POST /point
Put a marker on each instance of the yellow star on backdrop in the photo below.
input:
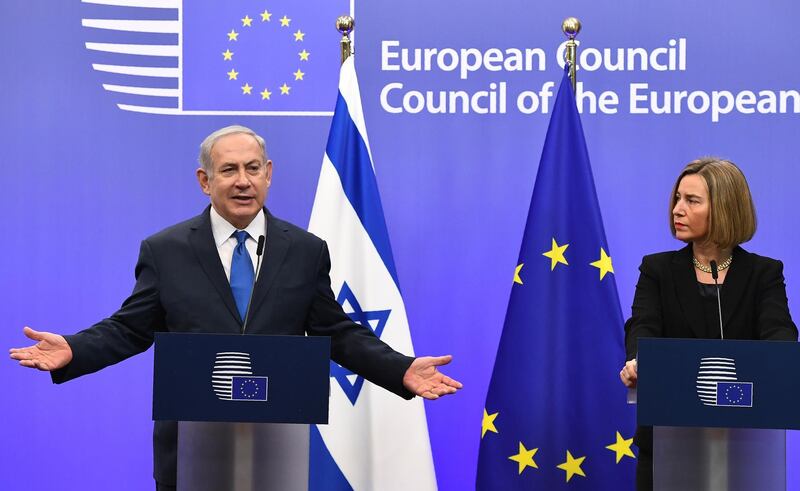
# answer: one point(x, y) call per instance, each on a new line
point(572, 466)
point(299, 35)
point(298, 75)
point(247, 88)
point(265, 94)
point(233, 35)
point(525, 458)
point(622, 447)
point(304, 55)
point(266, 16)
point(517, 279)
point(227, 55)
point(603, 264)
point(285, 89)
point(556, 254)
point(247, 21)
point(232, 74)
point(488, 423)
point(285, 21)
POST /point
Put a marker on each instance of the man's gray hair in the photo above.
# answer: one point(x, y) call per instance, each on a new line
point(208, 144)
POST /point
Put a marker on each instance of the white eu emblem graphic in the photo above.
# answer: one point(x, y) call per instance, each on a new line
point(233, 379)
point(718, 384)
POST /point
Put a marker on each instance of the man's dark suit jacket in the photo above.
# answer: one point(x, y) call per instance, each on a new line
point(181, 287)
point(667, 304)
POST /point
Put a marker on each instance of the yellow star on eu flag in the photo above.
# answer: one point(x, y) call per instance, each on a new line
point(556, 254)
point(285, 21)
point(227, 55)
point(247, 89)
point(304, 55)
point(299, 35)
point(265, 94)
point(298, 75)
point(247, 21)
point(622, 447)
point(572, 466)
point(266, 16)
point(285, 89)
point(232, 74)
point(525, 458)
point(603, 264)
point(233, 35)
point(517, 279)
point(488, 423)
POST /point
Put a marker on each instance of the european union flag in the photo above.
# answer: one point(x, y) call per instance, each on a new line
point(735, 394)
point(556, 413)
point(249, 388)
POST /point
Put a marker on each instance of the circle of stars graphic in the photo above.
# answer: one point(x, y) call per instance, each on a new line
point(248, 23)
point(248, 388)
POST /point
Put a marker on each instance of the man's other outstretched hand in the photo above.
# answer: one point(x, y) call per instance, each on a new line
point(51, 351)
point(423, 379)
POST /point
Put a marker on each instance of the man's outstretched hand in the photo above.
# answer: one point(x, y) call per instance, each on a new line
point(423, 379)
point(51, 351)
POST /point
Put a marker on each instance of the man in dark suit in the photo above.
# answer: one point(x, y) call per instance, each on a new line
point(190, 278)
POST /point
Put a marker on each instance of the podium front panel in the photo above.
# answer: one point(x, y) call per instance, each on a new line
point(241, 378)
point(716, 383)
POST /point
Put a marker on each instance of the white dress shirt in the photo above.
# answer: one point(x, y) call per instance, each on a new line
point(226, 243)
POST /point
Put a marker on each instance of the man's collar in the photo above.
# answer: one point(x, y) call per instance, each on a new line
point(222, 229)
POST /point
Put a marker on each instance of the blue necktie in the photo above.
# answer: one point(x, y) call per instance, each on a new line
point(241, 273)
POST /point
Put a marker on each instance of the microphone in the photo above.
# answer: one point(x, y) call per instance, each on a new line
point(259, 252)
point(715, 275)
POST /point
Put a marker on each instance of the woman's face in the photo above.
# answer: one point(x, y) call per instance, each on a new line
point(692, 206)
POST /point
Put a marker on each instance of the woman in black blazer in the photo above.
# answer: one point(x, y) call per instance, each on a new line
point(712, 211)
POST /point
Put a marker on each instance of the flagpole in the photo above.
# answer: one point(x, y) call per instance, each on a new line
point(345, 24)
point(571, 27)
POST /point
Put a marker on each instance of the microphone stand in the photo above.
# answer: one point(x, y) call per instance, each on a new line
point(715, 276)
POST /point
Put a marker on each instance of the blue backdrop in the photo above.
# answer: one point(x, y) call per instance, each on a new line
point(85, 180)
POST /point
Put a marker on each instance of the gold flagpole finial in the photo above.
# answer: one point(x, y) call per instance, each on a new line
point(571, 27)
point(345, 24)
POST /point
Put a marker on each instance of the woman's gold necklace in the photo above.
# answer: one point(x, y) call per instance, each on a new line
point(707, 269)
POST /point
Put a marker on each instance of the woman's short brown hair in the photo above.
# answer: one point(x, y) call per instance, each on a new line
point(732, 215)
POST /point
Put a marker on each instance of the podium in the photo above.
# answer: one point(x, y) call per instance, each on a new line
point(719, 411)
point(243, 405)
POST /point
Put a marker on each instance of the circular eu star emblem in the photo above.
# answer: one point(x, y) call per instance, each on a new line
point(249, 388)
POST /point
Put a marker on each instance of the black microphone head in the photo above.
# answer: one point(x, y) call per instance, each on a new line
point(260, 247)
point(714, 270)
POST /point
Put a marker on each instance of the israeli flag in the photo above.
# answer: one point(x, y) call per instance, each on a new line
point(374, 439)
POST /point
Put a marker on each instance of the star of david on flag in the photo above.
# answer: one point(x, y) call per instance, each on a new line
point(351, 383)
point(245, 57)
point(374, 439)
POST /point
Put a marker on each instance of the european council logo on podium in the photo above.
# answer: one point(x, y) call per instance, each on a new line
point(718, 384)
point(237, 57)
point(232, 378)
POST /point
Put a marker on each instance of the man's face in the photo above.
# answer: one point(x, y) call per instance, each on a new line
point(240, 178)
